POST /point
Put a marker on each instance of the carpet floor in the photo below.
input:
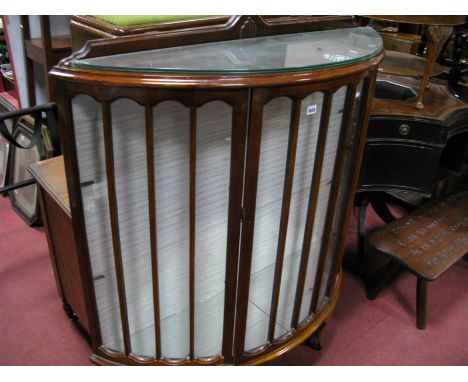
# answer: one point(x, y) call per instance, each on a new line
point(34, 329)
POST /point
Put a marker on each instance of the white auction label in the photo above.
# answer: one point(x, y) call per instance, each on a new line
point(311, 109)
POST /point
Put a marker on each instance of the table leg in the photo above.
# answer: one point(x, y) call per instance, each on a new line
point(436, 37)
point(363, 202)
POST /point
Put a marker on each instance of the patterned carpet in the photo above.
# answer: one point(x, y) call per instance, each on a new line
point(34, 329)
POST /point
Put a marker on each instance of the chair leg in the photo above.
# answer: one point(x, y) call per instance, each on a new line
point(421, 302)
point(360, 266)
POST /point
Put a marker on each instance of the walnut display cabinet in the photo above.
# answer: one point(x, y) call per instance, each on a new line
point(210, 186)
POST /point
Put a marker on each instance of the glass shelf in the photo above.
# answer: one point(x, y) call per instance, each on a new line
point(283, 53)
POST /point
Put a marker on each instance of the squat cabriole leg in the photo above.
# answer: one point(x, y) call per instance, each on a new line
point(314, 340)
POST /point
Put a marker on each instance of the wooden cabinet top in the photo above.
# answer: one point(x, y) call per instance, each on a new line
point(439, 102)
point(217, 58)
point(50, 175)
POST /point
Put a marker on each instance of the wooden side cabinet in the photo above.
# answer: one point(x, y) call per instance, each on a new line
point(55, 212)
point(210, 186)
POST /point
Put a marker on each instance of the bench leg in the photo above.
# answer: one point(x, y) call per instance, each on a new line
point(421, 301)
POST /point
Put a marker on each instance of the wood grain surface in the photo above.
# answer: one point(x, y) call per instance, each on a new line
point(430, 239)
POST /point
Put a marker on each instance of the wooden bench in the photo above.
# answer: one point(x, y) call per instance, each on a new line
point(426, 242)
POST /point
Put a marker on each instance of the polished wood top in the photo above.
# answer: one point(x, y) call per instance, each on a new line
point(422, 19)
point(59, 43)
point(50, 175)
point(430, 239)
point(406, 64)
point(438, 101)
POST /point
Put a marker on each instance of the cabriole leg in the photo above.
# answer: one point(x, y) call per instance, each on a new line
point(314, 341)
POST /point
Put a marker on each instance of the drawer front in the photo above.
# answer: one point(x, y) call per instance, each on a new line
point(399, 166)
point(405, 129)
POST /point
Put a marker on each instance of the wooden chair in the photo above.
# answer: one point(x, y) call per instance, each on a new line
point(426, 242)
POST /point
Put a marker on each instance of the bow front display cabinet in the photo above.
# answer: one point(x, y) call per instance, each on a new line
point(210, 185)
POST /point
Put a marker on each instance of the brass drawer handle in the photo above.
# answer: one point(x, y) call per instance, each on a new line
point(404, 129)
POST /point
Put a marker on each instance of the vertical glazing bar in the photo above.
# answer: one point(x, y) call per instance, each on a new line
point(286, 204)
point(114, 217)
point(250, 198)
point(313, 196)
point(193, 156)
point(329, 233)
point(355, 166)
point(152, 221)
point(235, 216)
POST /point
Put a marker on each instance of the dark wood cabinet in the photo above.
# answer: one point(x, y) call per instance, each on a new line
point(210, 187)
point(410, 149)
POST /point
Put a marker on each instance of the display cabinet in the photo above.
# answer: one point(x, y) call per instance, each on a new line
point(210, 186)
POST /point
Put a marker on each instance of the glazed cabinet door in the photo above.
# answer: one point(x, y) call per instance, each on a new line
point(299, 168)
point(161, 182)
point(210, 223)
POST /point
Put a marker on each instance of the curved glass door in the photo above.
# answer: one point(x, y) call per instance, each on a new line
point(159, 293)
point(298, 155)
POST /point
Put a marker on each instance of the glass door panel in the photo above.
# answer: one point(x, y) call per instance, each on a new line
point(129, 142)
point(326, 179)
point(213, 160)
point(309, 123)
point(89, 137)
point(273, 153)
point(172, 177)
